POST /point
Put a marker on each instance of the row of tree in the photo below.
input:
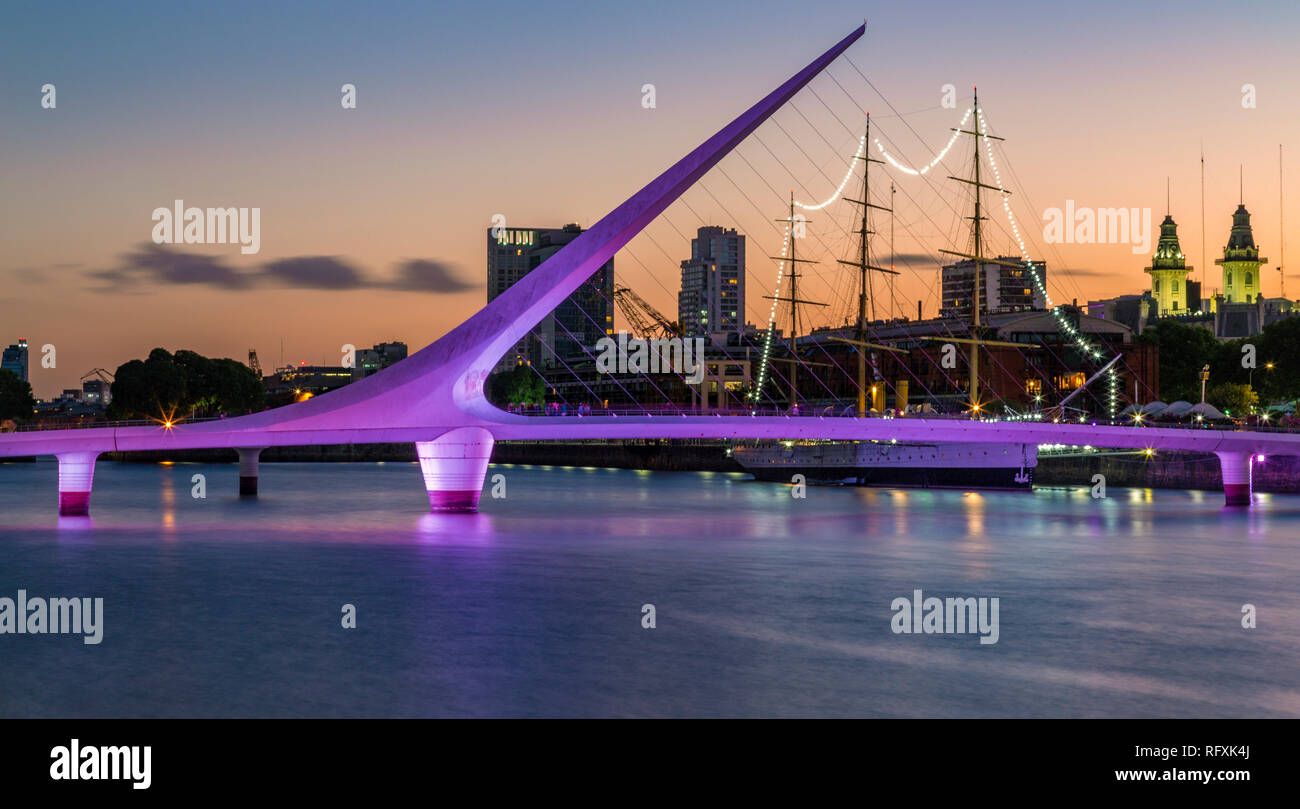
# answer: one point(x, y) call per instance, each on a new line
point(1264, 368)
point(164, 386)
point(184, 385)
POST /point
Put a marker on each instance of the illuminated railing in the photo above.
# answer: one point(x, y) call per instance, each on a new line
point(92, 425)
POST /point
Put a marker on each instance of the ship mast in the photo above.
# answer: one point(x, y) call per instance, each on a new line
point(864, 268)
point(795, 225)
point(978, 258)
point(979, 274)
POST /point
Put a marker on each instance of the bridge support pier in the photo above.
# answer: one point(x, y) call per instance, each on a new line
point(248, 457)
point(76, 476)
point(1236, 467)
point(454, 466)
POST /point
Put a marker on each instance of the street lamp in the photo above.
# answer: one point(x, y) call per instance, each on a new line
point(1205, 377)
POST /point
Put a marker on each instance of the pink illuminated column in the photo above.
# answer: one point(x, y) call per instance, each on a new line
point(1236, 477)
point(76, 474)
point(248, 470)
point(454, 466)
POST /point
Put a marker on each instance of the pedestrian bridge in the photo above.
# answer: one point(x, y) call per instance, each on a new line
point(435, 398)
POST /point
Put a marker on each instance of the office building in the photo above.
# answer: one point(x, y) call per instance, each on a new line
point(712, 296)
point(570, 333)
point(96, 392)
point(15, 359)
point(1003, 288)
point(377, 358)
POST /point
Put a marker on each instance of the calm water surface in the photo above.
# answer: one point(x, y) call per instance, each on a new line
point(766, 605)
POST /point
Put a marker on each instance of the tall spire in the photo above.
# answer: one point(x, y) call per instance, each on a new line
point(1169, 254)
point(1242, 235)
point(1169, 270)
point(1241, 260)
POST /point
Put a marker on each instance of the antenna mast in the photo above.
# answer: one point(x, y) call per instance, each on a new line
point(1203, 289)
point(1281, 220)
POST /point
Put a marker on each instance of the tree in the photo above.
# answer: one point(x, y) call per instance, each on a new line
point(519, 385)
point(16, 400)
point(187, 384)
point(1279, 345)
point(219, 386)
point(1232, 398)
point(1183, 352)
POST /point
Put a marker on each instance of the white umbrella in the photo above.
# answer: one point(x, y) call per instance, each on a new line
point(1154, 408)
point(1207, 411)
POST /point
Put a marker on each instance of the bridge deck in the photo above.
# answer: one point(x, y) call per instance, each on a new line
point(216, 434)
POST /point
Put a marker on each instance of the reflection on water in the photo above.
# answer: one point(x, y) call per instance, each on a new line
point(168, 489)
point(454, 529)
point(766, 604)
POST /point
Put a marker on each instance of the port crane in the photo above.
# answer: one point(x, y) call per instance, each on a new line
point(646, 321)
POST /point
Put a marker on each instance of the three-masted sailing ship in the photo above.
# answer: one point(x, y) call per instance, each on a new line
point(1001, 465)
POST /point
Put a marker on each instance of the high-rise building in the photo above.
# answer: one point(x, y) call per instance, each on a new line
point(1168, 271)
point(1005, 289)
point(1241, 261)
point(15, 359)
point(712, 297)
point(570, 333)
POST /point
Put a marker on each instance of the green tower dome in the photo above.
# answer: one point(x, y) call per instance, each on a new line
point(1241, 261)
point(1168, 255)
point(1168, 272)
point(1241, 238)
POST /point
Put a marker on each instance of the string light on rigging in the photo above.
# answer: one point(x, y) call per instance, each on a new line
point(862, 150)
point(771, 318)
point(932, 163)
point(1080, 340)
point(1083, 344)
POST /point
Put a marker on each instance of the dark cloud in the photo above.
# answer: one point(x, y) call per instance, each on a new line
point(921, 260)
point(423, 275)
point(31, 276)
point(314, 272)
point(1083, 272)
point(153, 264)
point(156, 264)
point(907, 259)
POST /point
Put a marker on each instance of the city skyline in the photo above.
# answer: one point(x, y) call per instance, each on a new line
point(390, 198)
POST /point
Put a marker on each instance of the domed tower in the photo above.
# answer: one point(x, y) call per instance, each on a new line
point(1169, 271)
point(1241, 261)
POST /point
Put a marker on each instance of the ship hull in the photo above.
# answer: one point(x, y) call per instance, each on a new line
point(955, 466)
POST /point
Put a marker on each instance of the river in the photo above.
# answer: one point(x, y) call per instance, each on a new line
point(764, 604)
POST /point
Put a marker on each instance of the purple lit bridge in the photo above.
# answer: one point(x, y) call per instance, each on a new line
point(435, 397)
